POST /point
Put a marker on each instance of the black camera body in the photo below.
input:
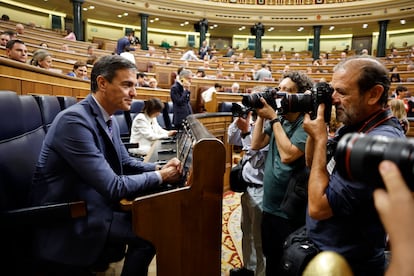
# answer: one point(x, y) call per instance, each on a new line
point(284, 102)
point(358, 155)
point(239, 110)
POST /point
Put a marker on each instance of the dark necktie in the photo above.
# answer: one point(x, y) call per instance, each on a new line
point(109, 124)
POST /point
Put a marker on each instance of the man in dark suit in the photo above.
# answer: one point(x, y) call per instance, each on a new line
point(180, 96)
point(83, 158)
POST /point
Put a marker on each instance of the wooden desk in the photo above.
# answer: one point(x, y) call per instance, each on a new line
point(184, 224)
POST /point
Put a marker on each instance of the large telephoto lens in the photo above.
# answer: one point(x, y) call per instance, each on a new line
point(252, 100)
point(358, 156)
point(299, 103)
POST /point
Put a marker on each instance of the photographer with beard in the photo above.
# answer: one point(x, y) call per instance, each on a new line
point(341, 214)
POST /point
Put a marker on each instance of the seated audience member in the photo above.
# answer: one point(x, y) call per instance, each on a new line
point(395, 76)
point(400, 92)
point(151, 52)
point(128, 55)
point(262, 73)
point(70, 35)
point(145, 128)
point(394, 53)
point(83, 158)
point(19, 29)
point(341, 215)
point(395, 205)
point(246, 75)
point(16, 50)
point(398, 109)
point(200, 73)
point(235, 87)
point(142, 80)
point(90, 51)
point(5, 17)
point(208, 94)
point(42, 59)
point(230, 51)
point(80, 70)
point(165, 44)
point(4, 38)
point(44, 45)
point(12, 34)
point(153, 83)
point(91, 59)
point(65, 47)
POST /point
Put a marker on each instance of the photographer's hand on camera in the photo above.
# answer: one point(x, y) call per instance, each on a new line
point(317, 131)
point(244, 123)
point(266, 112)
point(316, 128)
point(315, 156)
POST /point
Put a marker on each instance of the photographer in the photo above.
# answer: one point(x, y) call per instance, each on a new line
point(286, 139)
point(240, 133)
point(341, 214)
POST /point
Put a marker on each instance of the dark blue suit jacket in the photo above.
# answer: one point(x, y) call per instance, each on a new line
point(79, 161)
point(181, 103)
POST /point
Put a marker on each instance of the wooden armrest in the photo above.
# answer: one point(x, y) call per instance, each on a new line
point(44, 214)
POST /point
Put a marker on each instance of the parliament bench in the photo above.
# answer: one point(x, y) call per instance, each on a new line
point(21, 137)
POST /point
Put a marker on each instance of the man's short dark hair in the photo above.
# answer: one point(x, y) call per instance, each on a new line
point(10, 43)
point(107, 66)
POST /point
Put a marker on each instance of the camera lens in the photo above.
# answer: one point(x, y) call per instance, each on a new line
point(358, 156)
point(300, 103)
point(252, 100)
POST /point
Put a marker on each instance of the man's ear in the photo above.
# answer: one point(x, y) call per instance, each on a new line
point(102, 82)
point(374, 94)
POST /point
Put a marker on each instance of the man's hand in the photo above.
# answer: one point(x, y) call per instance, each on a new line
point(172, 171)
point(244, 124)
point(316, 128)
point(266, 112)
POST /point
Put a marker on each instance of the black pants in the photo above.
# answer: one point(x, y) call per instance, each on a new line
point(139, 253)
point(274, 232)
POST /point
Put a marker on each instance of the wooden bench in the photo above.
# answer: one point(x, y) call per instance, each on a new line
point(27, 79)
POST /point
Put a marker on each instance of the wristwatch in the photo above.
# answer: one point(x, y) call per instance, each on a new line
point(275, 120)
point(244, 135)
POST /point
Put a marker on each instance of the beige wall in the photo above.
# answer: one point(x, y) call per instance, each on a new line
point(24, 16)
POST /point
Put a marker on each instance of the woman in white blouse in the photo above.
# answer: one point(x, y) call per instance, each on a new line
point(145, 128)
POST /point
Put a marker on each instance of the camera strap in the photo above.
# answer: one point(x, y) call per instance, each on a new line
point(382, 116)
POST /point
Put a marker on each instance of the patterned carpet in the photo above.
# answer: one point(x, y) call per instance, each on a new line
point(231, 238)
